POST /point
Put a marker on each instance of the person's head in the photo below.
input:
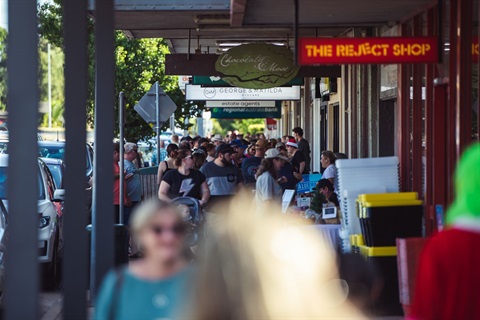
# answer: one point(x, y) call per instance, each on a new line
point(184, 159)
point(273, 162)
point(199, 156)
point(175, 138)
point(217, 139)
point(291, 146)
point(249, 275)
point(185, 145)
point(273, 143)
point(325, 187)
point(131, 151)
point(210, 147)
point(116, 152)
point(172, 150)
point(282, 148)
point(261, 136)
point(297, 132)
point(224, 155)
point(339, 155)
point(261, 147)
point(159, 230)
point(285, 139)
point(466, 206)
point(327, 158)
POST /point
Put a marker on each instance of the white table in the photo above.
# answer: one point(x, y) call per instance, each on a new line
point(329, 233)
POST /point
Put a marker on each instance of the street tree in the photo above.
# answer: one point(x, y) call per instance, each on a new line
point(138, 64)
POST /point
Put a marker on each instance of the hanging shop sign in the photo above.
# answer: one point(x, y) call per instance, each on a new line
point(238, 104)
point(215, 81)
point(246, 113)
point(379, 50)
point(257, 66)
point(271, 124)
point(194, 92)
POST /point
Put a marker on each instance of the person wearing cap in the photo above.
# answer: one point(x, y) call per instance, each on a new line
point(448, 276)
point(223, 179)
point(268, 189)
point(325, 187)
point(303, 146)
point(250, 165)
point(217, 140)
point(297, 159)
point(287, 169)
point(237, 156)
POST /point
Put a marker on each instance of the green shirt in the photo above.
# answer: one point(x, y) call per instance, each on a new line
point(138, 299)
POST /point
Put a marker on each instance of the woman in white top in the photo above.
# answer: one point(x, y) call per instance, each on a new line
point(268, 189)
point(328, 162)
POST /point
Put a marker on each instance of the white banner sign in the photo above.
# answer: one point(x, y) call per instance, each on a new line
point(196, 92)
point(237, 104)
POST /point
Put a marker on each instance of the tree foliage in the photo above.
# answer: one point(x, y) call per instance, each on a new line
point(139, 64)
point(3, 69)
point(222, 126)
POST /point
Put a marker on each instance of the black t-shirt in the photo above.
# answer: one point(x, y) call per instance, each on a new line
point(184, 186)
point(304, 148)
point(298, 158)
point(249, 169)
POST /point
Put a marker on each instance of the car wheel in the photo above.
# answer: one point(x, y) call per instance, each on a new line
point(52, 271)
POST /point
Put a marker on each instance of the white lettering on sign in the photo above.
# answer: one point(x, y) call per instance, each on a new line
point(248, 104)
point(259, 62)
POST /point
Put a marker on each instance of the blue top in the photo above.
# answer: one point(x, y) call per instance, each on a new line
point(134, 185)
point(144, 299)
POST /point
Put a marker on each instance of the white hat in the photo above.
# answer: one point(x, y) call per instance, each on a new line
point(292, 144)
point(217, 137)
point(274, 153)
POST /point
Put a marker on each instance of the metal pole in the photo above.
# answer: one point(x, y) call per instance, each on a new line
point(75, 271)
point(102, 254)
point(121, 122)
point(157, 117)
point(295, 28)
point(21, 282)
point(49, 87)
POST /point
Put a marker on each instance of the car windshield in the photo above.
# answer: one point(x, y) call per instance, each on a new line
point(58, 152)
point(3, 185)
point(56, 171)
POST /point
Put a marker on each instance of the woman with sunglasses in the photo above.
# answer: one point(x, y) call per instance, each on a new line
point(184, 181)
point(157, 286)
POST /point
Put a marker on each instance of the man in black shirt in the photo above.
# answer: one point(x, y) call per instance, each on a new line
point(303, 146)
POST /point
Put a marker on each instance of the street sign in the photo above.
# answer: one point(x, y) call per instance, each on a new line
point(215, 81)
point(246, 113)
point(194, 92)
point(375, 50)
point(146, 107)
point(236, 104)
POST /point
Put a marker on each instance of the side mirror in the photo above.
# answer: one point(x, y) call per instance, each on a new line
point(59, 195)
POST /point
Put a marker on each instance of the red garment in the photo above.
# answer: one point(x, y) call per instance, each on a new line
point(448, 281)
point(116, 185)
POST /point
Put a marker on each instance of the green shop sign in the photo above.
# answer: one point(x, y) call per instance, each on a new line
point(219, 82)
point(246, 112)
point(257, 66)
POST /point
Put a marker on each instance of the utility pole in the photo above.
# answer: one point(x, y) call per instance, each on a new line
point(49, 88)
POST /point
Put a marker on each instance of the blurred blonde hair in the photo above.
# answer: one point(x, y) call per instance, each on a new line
point(267, 267)
point(146, 211)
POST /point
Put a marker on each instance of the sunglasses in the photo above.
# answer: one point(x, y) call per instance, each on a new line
point(178, 230)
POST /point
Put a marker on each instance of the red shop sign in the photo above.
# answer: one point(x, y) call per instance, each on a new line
point(378, 50)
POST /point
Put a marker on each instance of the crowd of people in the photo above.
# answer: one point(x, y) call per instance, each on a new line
point(257, 266)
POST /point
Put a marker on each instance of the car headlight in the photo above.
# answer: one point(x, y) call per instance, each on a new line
point(43, 222)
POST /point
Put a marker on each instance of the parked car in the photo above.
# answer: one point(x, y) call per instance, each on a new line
point(57, 169)
point(56, 150)
point(50, 221)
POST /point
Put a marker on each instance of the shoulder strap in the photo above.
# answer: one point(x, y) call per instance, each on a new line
point(119, 275)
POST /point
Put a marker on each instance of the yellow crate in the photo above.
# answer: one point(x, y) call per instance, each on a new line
point(378, 251)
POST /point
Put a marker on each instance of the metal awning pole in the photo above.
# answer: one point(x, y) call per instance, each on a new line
point(121, 123)
point(157, 119)
point(21, 282)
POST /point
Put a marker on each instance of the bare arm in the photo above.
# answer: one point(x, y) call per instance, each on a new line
point(301, 167)
point(163, 191)
point(332, 180)
point(205, 193)
point(161, 171)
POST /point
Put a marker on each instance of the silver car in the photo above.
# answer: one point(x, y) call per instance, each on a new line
point(50, 237)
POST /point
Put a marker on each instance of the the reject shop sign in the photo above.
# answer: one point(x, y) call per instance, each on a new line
point(380, 50)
